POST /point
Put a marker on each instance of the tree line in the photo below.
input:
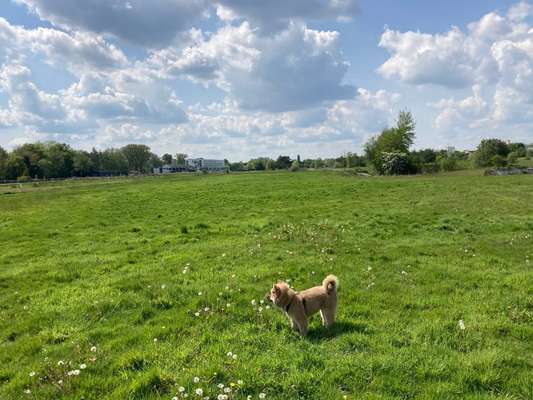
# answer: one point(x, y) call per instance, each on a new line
point(388, 153)
point(59, 160)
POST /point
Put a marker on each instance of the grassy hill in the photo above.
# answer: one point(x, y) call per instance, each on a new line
point(132, 288)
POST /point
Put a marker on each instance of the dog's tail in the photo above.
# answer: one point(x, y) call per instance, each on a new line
point(331, 283)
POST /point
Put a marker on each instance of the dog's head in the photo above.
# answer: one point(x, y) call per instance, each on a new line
point(279, 294)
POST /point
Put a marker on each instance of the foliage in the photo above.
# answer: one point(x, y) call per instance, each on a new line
point(447, 162)
point(295, 166)
point(395, 163)
point(167, 158)
point(110, 273)
point(180, 158)
point(137, 157)
point(283, 162)
point(396, 140)
point(488, 149)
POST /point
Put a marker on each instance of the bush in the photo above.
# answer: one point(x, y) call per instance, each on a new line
point(295, 166)
point(395, 163)
point(498, 161)
point(447, 163)
point(512, 157)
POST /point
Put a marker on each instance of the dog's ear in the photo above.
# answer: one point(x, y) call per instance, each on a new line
point(277, 289)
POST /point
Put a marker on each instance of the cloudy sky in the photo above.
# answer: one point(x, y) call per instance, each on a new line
point(244, 78)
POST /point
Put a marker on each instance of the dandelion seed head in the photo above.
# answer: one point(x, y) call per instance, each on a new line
point(199, 391)
point(196, 379)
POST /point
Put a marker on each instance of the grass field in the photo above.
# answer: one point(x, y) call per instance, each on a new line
point(129, 289)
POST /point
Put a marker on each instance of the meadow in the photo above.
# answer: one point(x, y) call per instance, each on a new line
point(153, 288)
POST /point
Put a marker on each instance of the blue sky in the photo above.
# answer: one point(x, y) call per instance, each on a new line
point(240, 79)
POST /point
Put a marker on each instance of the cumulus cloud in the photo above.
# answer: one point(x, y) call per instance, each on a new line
point(76, 51)
point(493, 57)
point(151, 23)
point(275, 15)
point(295, 69)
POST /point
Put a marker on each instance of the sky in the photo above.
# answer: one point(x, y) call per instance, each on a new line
point(239, 79)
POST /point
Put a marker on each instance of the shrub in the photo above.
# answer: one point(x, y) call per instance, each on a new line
point(447, 163)
point(498, 161)
point(395, 163)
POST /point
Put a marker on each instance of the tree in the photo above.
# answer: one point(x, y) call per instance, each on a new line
point(395, 163)
point(137, 157)
point(113, 162)
point(283, 162)
point(295, 166)
point(391, 140)
point(489, 148)
point(3, 163)
point(518, 148)
point(167, 158)
point(60, 160)
point(155, 161)
point(180, 158)
point(83, 165)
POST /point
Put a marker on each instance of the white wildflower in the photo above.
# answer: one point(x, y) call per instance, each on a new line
point(220, 386)
point(253, 302)
point(196, 379)
point(229, 353)
point(262, 395)
point(181, 389)
point(227, 390)
point(206, 309)
point(228, 305)
point(240, 382)
point(196, 314)
point(93, 349)
point(60, 362)
point(199, 391)
point(462, 325)
point(27, 391)
point(234, 356)
point(199, 293)
point(33, 373)
point(74, 372)
point(83, 366)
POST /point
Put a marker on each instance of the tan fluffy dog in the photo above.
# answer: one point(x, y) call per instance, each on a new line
point(300, 306)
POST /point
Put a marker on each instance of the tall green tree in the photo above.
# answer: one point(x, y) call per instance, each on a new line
point(397, 139)
point(180, 158)
point(167, 158)
point(3, 163)
point(137, 156)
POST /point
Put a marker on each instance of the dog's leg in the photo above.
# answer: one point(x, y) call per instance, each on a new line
point(294, 326)
point(328, 316)
point(303, 327)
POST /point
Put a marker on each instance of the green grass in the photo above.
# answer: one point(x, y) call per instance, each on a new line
point(100, 263)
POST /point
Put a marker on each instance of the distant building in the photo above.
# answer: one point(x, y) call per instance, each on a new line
point(204, 164)
point(450, 150)
point(172, 168)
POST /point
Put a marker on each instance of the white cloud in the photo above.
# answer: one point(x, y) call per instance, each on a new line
point(77, 51)
point(295, 69)
point(151, 23)
point(494, 57)
point(274, 15)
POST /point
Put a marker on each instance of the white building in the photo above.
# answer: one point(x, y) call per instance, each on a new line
point(203, 164)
